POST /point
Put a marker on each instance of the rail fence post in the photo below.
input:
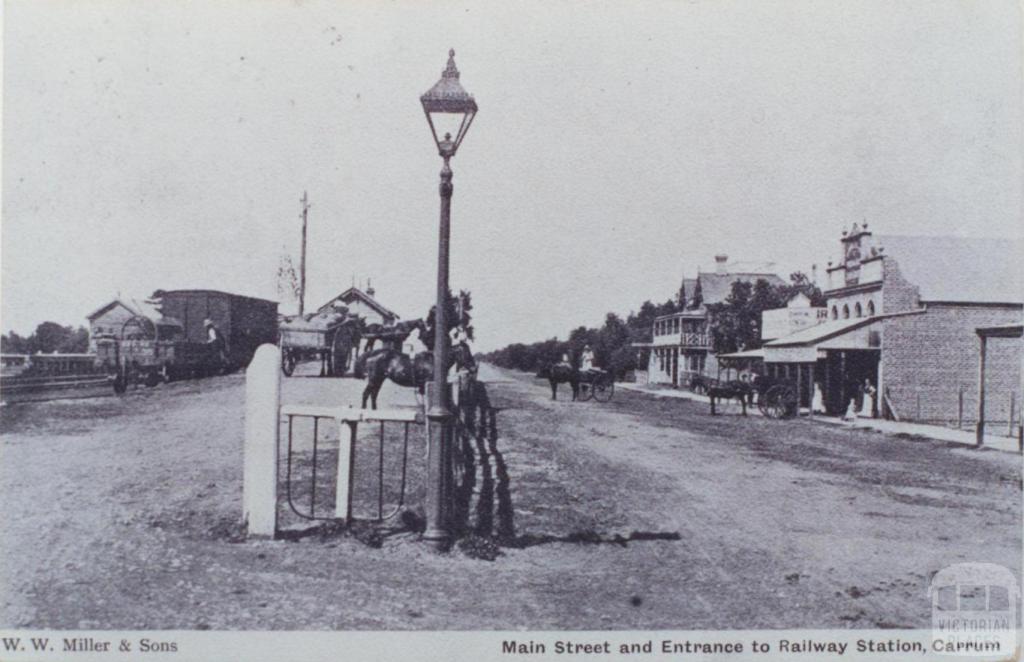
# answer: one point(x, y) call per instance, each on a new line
point(346, 464)
point(1013, 411)
point(960, 407)
point(262, 422)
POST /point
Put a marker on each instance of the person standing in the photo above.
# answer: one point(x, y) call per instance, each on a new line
point(215, 341)
point(867, 405)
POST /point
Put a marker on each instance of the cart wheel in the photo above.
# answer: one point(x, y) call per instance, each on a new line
point(120, 385)
point(586, 391)
point(788, 402)
point(604, 389)
point(287, 363)
point(152, 379)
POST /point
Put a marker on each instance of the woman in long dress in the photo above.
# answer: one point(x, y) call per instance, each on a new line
point(867, 407)
point(817, 401)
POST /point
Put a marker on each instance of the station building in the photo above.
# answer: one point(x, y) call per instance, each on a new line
point(364, 305)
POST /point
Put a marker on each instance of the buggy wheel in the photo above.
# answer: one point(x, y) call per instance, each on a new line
point(151, 379)
point(604, 389)
point(287, 362)
point(771, 402)
point(788, 404)
point(586, 391)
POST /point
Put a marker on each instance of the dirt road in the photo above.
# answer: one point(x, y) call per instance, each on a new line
point(641, 513)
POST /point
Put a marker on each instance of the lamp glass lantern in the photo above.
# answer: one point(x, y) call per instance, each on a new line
point(449, 109)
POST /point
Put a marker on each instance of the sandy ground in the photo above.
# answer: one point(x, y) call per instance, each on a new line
point(640, 513)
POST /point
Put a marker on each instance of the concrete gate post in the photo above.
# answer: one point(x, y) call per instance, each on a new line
point(262, 420)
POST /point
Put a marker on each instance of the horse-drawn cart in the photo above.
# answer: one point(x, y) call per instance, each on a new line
point(778, 400)
point(329, 340)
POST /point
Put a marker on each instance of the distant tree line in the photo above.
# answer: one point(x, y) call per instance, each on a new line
point(735, 324)
point(48, 337)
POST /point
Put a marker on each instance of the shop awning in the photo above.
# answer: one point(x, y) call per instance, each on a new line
point(849, 334)
point(747, 354)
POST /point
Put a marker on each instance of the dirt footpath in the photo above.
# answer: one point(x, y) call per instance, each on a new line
point(640, 513)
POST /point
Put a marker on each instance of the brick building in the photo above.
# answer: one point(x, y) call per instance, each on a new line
point(681, 342)
point(902, 316)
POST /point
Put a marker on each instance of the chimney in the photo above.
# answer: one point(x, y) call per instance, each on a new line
point(814, 274)
point(369, 288)
point(720, 261)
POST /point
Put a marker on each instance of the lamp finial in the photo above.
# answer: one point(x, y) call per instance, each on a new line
point(450, 71)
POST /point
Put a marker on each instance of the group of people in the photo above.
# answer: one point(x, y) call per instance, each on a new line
point(861, 403)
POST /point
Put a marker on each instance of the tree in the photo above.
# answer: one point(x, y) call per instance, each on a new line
point(730, 321)
point(48, 337)
point(800, 283)
point(681, 297)
point(698, 295)
point(457, 314)
point(12, 343)
point(288, 287)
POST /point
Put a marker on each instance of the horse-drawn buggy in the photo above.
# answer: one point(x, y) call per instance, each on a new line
point(330, 338)
point(776, 398)
point(597, 384)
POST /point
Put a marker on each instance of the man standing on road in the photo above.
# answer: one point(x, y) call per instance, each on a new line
point(215, 341)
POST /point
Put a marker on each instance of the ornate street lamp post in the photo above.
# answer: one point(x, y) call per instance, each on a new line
point(450, 111)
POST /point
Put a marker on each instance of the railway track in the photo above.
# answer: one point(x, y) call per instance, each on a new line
point(53, 387)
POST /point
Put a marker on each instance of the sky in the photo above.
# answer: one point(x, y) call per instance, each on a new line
point(167, 144)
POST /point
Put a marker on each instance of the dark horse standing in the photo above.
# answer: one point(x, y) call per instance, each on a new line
point(411, 372)
point(739, 390)
point(561, 373)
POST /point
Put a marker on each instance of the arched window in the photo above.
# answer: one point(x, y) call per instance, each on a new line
point(846, 312)
point(871, 308)
point(835, 313)
point(858, 311)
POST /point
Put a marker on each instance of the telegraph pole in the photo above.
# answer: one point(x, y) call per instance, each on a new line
point(302, 261)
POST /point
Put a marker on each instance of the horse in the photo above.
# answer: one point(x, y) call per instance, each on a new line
point(411, 372)
point(561, 373)
point(395, 335)
point(739, 390)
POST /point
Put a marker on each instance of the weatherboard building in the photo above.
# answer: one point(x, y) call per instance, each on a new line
point(681, 344)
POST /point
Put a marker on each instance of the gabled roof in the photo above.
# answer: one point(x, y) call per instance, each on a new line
point(959, 269)
point(354, 293)
point(715, 287)
point(134, 306)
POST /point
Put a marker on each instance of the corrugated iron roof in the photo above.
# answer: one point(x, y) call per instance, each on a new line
point(356, 293)
point(715, 287)
point(959, 269)
point(135, 306)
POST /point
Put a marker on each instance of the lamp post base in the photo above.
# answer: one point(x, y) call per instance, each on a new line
point(440, 431)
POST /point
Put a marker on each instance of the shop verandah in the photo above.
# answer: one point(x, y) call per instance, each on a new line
point(834, 365)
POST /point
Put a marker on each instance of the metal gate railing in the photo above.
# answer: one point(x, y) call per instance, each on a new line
point(347, 420)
